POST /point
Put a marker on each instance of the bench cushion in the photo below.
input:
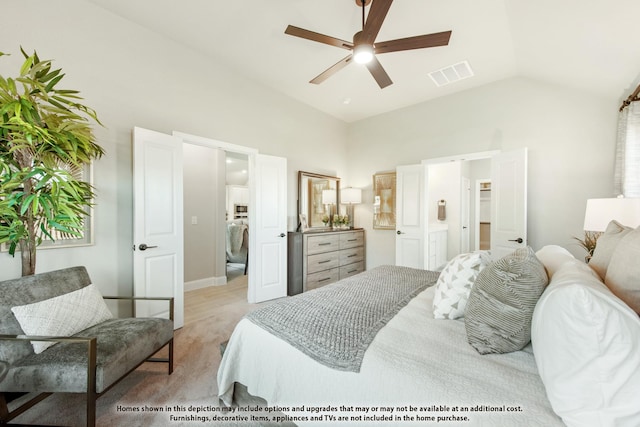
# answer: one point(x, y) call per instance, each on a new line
point(122, 344)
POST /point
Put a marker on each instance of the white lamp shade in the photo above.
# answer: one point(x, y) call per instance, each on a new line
point(328, 197)
point(600, 212)
point(351, 195)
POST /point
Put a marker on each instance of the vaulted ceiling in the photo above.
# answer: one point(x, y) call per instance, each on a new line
point(590, 45)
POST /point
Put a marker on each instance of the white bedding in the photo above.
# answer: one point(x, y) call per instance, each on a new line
point(414, 360)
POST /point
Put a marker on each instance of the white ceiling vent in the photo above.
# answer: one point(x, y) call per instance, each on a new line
point(451, 74)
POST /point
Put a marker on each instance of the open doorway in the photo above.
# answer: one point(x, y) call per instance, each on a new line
point(216, 215)
point(449, 183)
point(483, 214)
point(237, 211)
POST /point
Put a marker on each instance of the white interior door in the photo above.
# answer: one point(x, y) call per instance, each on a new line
point(268, 262)
point(508, 202)
point(158, 235)
point(410, 221)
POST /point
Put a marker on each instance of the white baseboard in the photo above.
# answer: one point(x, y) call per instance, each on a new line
point(205, 283)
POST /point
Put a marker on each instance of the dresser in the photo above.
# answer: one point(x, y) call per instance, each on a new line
point(318, 258)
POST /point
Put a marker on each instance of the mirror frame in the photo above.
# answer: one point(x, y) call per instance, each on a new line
point(311, 224)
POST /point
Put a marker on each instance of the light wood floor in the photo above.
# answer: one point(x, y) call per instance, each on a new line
point(202, 303)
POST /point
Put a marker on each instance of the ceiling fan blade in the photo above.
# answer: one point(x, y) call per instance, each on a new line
point(317, 37)
point(378, 73)
point(375, 18)
point(332, 70)
point(417, 42)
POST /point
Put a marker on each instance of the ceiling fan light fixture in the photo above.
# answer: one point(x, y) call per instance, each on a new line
point(363, 53)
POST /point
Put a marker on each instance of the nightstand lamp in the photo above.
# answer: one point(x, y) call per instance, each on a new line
point(600, 212)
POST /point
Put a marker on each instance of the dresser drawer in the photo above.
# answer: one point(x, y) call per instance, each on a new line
point(351, 239)
point(320, 244)
point(349, 256)
point(320, 262)
point(322, 278)
point(351, 269)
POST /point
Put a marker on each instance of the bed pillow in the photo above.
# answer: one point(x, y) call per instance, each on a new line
point(623, 272)
point(553, 257)
point(502, 300)
point(455, 282)
point(63, 315)
point(605, 246)
point(586, 343)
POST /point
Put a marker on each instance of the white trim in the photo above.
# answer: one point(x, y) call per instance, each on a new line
point(462, 157)
point(213, 143)
point(205, 283)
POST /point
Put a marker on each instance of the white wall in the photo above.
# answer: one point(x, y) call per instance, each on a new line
point(444, 183)
point(570, 136)
point(133, 77)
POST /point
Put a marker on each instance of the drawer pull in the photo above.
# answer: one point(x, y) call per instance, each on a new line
point(352, 240)
point(324, 244)
point(324, 262)
point(325, 279)
point(352, 255)
point(352, 271)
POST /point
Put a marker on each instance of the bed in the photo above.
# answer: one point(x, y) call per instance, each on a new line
point(419, 369)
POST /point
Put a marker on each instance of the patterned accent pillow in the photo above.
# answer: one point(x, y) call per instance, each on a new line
point(63, 315)
point(455, 282)
point(501, 303)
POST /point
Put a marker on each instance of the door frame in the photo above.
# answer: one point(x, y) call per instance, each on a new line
point(480, 155)
point(476, 220)
point(251, 156)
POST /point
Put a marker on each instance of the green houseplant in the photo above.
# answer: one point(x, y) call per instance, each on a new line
point(45, 136)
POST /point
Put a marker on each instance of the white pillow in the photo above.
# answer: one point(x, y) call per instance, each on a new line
point(63, 315)
point(455, 282)
point(586, 343)
point(553, 257)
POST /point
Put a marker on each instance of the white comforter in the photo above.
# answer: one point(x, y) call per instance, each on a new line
point(414, 360)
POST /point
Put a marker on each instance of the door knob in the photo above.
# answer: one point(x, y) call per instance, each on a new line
point(518, 240)
point(399, 232)
point(144, 247)
point(282, 235)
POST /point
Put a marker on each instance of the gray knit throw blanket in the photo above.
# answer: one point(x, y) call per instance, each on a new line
point(336, 323)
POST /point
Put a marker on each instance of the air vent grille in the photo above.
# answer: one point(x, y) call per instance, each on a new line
point(451, 74)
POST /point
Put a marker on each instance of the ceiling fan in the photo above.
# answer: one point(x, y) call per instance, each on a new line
point(364, 48)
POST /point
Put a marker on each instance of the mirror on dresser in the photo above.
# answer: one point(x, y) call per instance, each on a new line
point(318, 196)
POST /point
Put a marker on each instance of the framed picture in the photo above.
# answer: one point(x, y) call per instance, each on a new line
point(304, 225)
point(384, 201)
point(66, 240)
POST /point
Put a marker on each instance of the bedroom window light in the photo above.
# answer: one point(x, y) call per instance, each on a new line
point(627, 161)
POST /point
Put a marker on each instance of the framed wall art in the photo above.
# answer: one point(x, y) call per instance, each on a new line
point(384, 201)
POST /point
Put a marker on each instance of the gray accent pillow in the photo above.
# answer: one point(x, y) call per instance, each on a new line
point(502, 300)
point(605, 246)
point(623, 272)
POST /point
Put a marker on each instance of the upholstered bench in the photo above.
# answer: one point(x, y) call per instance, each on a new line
point(88, 360)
